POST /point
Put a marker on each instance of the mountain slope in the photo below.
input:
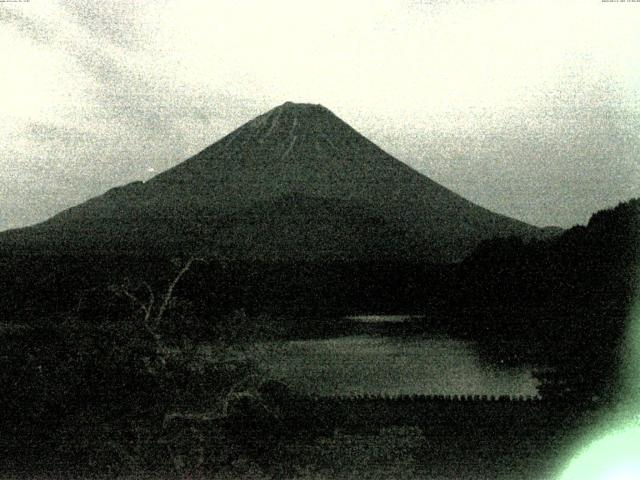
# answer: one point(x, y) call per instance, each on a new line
point(294, 183)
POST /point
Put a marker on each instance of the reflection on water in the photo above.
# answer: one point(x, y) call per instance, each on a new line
point(369, 364)
point(383, 318)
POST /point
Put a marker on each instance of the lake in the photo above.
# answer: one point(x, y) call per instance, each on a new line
point(375, 363)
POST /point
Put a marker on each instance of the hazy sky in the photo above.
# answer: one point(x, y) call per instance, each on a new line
point(528, 107)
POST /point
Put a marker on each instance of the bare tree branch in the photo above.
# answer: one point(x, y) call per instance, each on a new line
point(150, 302)
point(172, 285)
point(227, 357)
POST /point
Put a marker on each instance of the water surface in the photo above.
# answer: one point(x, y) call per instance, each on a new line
point(394, 365)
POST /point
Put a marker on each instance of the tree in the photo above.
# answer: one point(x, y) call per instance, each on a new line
point(198, 381)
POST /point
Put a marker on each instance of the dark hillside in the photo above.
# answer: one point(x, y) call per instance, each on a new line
point(566, 301)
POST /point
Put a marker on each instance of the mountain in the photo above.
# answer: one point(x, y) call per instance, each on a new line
point(296, 183)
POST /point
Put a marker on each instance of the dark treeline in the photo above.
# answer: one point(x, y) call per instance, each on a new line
point(565, 301)
point(39, 286)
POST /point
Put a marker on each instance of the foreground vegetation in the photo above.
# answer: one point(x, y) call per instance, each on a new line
point(105, 393)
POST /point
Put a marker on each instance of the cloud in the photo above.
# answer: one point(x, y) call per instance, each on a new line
point(108, 121)
point(116, 22)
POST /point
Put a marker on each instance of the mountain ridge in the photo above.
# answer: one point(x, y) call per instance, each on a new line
point(293, 149)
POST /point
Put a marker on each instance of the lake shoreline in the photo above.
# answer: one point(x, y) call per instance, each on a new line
point(391, 356)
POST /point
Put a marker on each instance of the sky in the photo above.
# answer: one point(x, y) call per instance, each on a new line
point(530, 108)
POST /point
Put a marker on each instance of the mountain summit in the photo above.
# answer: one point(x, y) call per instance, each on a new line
point(296, 183)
